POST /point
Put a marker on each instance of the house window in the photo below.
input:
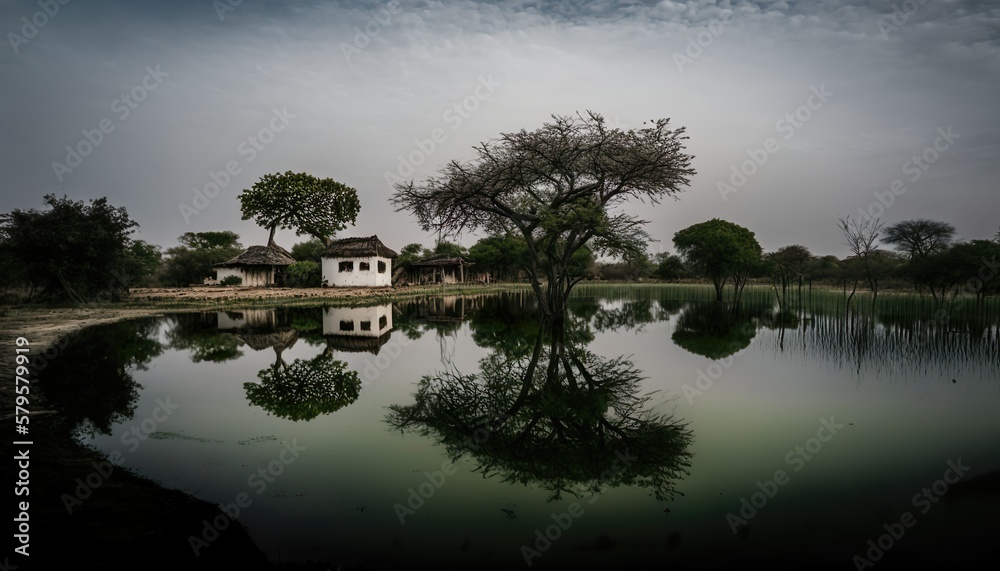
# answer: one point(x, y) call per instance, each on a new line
point(347, 266)
point(347, 326)
point(366, 325)
point(381, 267)
point(363, 266)
point(382, 322)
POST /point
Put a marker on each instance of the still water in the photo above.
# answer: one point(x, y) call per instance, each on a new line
point(655, 426)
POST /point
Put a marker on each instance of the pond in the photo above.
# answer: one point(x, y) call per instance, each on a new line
point(655, 426)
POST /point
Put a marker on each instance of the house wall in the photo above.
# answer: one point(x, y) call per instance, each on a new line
point(336, 318)
point(223, 273)
point(255, 277)
point(435, 275)
point(356, 277)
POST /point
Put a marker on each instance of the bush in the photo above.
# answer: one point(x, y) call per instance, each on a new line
point(231, 281)
point(304, 274)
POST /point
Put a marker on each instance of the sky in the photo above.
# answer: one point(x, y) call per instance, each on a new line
point(796, 113)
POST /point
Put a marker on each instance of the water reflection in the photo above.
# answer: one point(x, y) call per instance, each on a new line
point(528, 404)
point(90, 381)
point(558, 416)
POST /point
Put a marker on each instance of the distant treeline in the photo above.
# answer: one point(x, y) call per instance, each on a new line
point(75, 252)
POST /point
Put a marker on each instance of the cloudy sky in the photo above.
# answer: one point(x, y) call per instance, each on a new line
point(836, 100)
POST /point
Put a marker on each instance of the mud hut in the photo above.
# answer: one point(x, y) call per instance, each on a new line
point(257, 266)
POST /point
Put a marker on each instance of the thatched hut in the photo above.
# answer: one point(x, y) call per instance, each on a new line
point(358, 262)
point(257, 266)
point(442, 271)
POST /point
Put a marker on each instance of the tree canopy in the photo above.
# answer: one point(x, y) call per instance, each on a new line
point(192, 261)
point(72, 250)
point(560, 188)
point(721, 251)
point(301, 202)
point(919, 238)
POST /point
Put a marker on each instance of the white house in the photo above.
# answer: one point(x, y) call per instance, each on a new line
point(358, 262)
point(257, 266)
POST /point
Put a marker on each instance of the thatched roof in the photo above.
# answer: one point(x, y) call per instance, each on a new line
point(356, 343)
point(440, 262)
point(359, 248)
point(272, 255)
point(278, 340)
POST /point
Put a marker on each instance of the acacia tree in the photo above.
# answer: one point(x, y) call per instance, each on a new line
point(919, 238)
point(301, 202)
point(721, 251)
point(559, 187)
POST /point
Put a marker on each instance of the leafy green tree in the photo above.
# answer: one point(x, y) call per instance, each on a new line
point(668, 266)
point(502, 256)
point(209, 240)
point(637, 265)
point(301, 202)
point(445, 249)
point(142, 262)
point(410, 254)
point(560, 187)
point(304, 274)
point(965, 267)
point(309, 251)
point(72, 251)
point(721, 251)
point(192, 261)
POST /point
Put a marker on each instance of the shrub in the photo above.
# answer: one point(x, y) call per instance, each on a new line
point(231, 281)
point(304, 274)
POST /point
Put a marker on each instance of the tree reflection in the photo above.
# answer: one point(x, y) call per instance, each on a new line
point(90, 380)
point(200, 334)
point(560, 416)
point(715, 330)
point(306, 388)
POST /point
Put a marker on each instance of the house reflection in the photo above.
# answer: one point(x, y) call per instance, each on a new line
point(246, 319)
point(357, 329)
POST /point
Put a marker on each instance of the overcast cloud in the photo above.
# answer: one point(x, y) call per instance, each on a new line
point(871, 89)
